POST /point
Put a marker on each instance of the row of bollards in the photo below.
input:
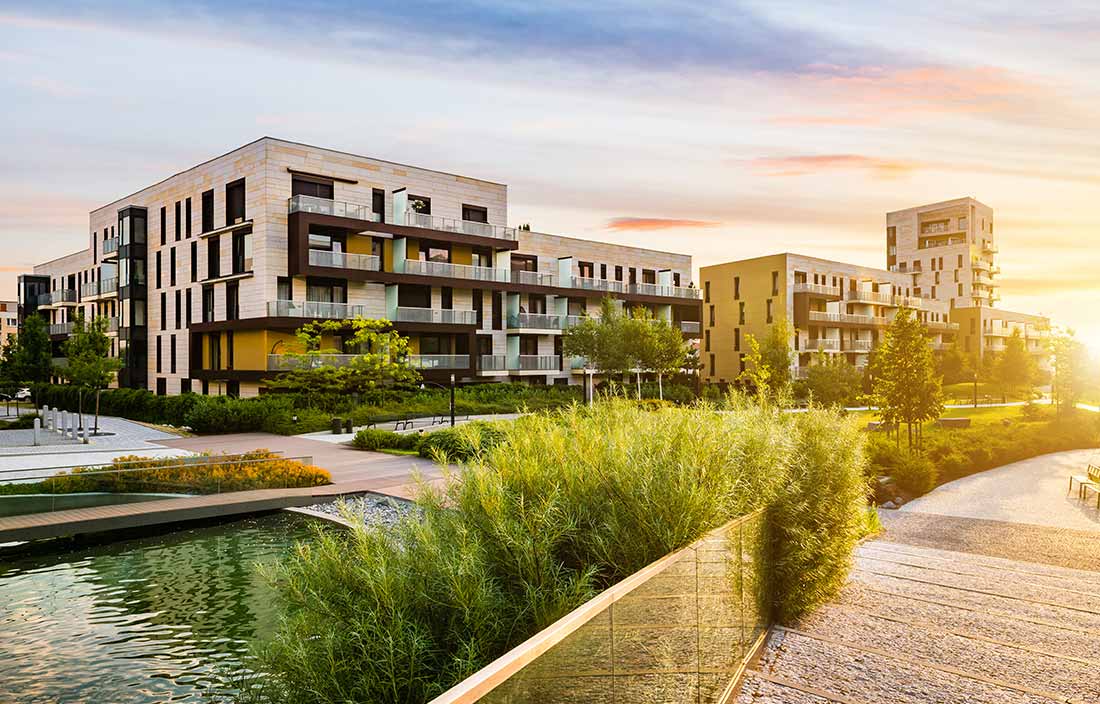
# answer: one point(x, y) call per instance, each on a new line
point(69, 424)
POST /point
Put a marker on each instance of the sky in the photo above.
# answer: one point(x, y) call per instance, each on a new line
point(724, 130)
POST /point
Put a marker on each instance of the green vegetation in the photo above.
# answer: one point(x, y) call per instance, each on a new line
point(768, 363)
point(90, 366)
point(458, 444)
point(550, 510)
point(831, 381)
point(905, 388)
point(23, 422)
point(259, 469)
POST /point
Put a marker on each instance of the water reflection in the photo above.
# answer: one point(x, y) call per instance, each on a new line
point(152, 619)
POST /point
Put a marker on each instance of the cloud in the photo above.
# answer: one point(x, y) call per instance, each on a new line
point(803, 165)
point(624, 224)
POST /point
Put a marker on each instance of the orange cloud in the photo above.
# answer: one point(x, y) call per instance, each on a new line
point(814, 163)
point(645, 224)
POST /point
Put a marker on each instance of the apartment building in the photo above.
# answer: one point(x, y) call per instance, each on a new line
point(948, 250)
point(833, 307)
point(207, 274)
point(984, 331)
point(9, 320)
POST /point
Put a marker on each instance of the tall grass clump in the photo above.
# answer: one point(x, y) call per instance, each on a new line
point(545, 514)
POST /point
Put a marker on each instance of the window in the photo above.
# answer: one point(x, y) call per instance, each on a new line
point(232, 300)
point(242, 252)
point(188, 316)
point(158, 355)
point(187, 218)
point(378, 203)
point(171, 266)
point(712, 365)
point(214, 350)
point(162, 384)
point(706, 292)
point(172, 354)
point(675, 278)
point(706, 340)
point(649, 276)
point(284, 291)
point(741, 313)
point(229, 350)
point(420, 204)
point(775, 284)
point(233, 388)
point(618, 273)
point(603, 271)
point(178, 311)
point(313, 187)
point(207, 205)
point(163, 225)
point(205, 387)
point(710, 315)
point(213, 257)
point(737, 339)
point(325, 291)
point(474, 213)
point(179, 219)
point(960, 289)
point(769, 304)
point(632, 275)
point(194, 262)
point(207, 304)
point(446, 296)
point(185, 386)
point(959, 265)
point(234, 203)
point(736, 288)
point(587, 269)
point(163, 310)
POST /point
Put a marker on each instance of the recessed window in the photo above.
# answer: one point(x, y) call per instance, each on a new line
point(234, 203)
point(208, 210)
point(475, 213)
point(316, 188)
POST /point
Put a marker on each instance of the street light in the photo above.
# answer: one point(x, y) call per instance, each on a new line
point(423, 385)
point(975, 389)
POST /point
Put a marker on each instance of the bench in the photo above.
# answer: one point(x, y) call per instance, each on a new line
point(1089, 480)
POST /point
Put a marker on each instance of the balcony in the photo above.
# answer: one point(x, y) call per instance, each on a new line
point(439, 361)
point(59, 297)
point(858, 346)
point(988, 247)
point(447, 270)
point(865, 296)
point(344, 260)
point(538, 363)
point(462, 227)
point(823, 344)
point(691, 326)
point(590, 284)
point(932, 244)
point(534, 278)
point(443, 316)
point(941, 325)
point(61, 328)
point(817, 289)
point(335, 208)
point(817, 316)
point(666, 291)
point(939, 346)
point(538, 321)
point(979, 265)
point(110, 248)
point(287, 362)
point(314, 310)
point(493, 363)
point(96, 289)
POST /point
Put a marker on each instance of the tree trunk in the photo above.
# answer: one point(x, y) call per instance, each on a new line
point(909, 427)
point(96, 431)
point(660, 386)
point(638, 382)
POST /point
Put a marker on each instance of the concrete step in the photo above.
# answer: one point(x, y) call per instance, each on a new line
point(1070, 678)
point(881, 677)
point(951, 616)
point(979, 560)
point(760, 689)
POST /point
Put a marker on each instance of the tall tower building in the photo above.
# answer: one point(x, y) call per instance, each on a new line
point(948, 249)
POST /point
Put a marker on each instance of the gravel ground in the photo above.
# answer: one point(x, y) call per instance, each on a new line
point(373, 508)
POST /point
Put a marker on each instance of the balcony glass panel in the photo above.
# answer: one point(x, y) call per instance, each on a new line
point(439, 361)
point(590, 284)
point(536, 321)
point(534, 278)
point(539, 362)
point(336, 208)
point(667, 291)
point(493, 362)
point(455, 271)
point(407, 314)
point(464, 227)
point(344, 260)
point(313, 309)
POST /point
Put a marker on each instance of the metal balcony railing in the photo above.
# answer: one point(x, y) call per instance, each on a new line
point(314, 309)
point(406, 314)
point(941, 325)
point(825, 344)
point(455, 271)
point(493, 363)
point(871, 296)
point(61, 328)
point(464, 227)
point(534, 278)
point(816, 289)
point(439, 361)
point(344, 260)
point(932, 244)
point(538, 362)
point(336, 208)
point(666, 291)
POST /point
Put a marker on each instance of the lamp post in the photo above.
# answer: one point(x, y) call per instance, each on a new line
point(975, 389)
point(424, 384)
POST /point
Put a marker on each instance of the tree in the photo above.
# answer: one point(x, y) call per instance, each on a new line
point(604, 342)
point(1070, 370)
point(90, 366)
point(379, 358)
point(1015, 370)
point(33, 357)
point(662, 349)
point(953, 365)
point(834, 381)
point(768, 363)
point(906, 388)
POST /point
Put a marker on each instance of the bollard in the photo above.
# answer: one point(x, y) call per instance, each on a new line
point(37, 426)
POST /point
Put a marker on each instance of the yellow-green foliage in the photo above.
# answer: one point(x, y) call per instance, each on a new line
point(259, 469)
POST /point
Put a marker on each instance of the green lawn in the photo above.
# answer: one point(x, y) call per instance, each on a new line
point(978, 416)
point(964, 393)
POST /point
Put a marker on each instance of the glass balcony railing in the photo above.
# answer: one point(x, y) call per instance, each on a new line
point(536, 321)
point(534, 278)
point(538, 362)
point(110, 246)
point(455, 271)
point(824, 344)
point(493, 363)
point(691, 326)
point(463, 227)
point(666, 291)
point(439, 361)
point(443, 316)
point(336, 208)
point(818, 316)
point(98, 288)
point(590, 284)
point(816, 289)
point(344, 260)
point(287, 362)
point(66, 295)
point(314, 309)
point(61, 328)
point(858, 345)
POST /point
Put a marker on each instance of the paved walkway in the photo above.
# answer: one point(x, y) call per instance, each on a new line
point(1033, 491)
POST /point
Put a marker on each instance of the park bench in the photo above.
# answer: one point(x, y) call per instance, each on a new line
point(1089, 480)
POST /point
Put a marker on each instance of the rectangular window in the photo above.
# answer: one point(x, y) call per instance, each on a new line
point(214, 350)
point(736, 288)
point(185, 386)
point(312, 187)
point(706, 292)
point(446, 296)
point(706, 340)
point(194, 262)
point(163, 310)
point(158, 268)
point(172, 354)
point(207, 304)
point(163, 225)
point(229, 349)
point(710, 315)
point(618, 273)
point(769, 303)
point(158, 354)
point(207, 206)
point(242, 252)
point(178, 311)
point(188, 316)
point(737, 339)
point(741, 313)
point(378, 203)
point(179, 220)
point(162, 386)
point(284, 291)
point(603, 271)
point(187, 218)
point(587, 270)
point(213, 257)
point(474, 213)
point(234, 203)
point(172, 267)
point(232, 300)
point(712, 365)
point(775, 284)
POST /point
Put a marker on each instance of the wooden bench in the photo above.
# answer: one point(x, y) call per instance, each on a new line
point(1089, 480)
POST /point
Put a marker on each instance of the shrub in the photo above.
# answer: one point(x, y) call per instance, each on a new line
point(23, 422)
point(375, 439)
point(461, 443)
point(554, 508)
point(913, 473)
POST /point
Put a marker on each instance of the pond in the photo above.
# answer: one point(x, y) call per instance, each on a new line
point(167, 617)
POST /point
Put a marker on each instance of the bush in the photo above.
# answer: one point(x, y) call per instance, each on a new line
point(554, 508)
point(913, 473)
point(375, 439)
point(462, 443)
point(23, 422)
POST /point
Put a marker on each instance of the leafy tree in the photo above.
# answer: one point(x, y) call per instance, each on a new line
point(381, 358)
point(1071, 375)
point(953, 365)
point(906, 388)
point(603, 341)
point(833, 380)
point(768, 363)
point(90, 366)
point(32, 361)
point(661, 348)
point(1015, 370)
